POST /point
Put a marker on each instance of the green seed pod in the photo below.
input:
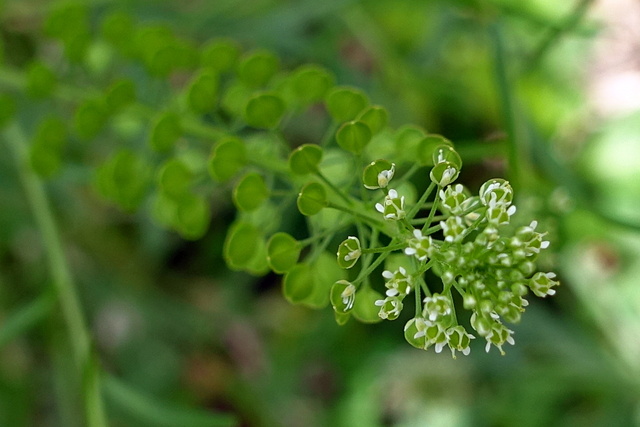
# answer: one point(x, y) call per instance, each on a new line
point(444, 173)
point(353, 136)
point(250, 192)
point(90, 118)
point(220, 55)
point(446, 153)
point(241, 245)
point(343, 296)
point(375, 117)
point(298, 283)
point(166, 130)
point(175, 178)
point(311, 83)
point(118, 29)
point(283, 252)
point(364, 308)
point(345, 103)
point(51, 132)
point(192, 216)
point(202, 92)
point(312, 199)
point(378, 174)
point(120, 94)
point(305, 159)
point(227, 158)
point(257, 68)
point(41, 80)
point(349, 251)
point(427, 147)
point(264, 111)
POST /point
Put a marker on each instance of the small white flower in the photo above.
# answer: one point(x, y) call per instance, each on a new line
point(348, 296)
point(392, 207)
point(542, 284)
point(386, 175)
point(398, 283)
point(419, 246)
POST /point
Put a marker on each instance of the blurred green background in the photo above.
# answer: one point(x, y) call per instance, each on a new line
point(182, 337)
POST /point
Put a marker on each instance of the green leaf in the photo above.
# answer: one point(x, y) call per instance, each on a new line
point(257, 68)
point(250, 192)
point(312, 199)
point(375, 117)
point(241, 245)
point(27, 317)
point(228, 157)
point(220, 55)
point(202, 92)
point(264, 111)
point(283, 252)
point(345, 103)
point(371, 172)
point(298, 283)
point(174, 178)
point(166, 130)
point(305, 159)
point(149, 411)
point(353, 136)
point(311, 83)
point(365, 309)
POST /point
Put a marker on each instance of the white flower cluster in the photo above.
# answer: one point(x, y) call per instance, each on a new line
point(492, 271)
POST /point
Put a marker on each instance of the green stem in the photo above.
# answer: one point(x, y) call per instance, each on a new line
point(414, 210)
point(366, 272)
point(335, 189)
point(416, 291)
point(357, 214)
point(383, 249)
point(517, 154)
point(324, 233)
point(60, 274)
point(432, 212)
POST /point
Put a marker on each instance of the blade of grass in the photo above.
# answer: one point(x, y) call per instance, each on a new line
point(25, 318)
point(59, 271)
point(157, 413)
point(517, 152)
point(554, 34)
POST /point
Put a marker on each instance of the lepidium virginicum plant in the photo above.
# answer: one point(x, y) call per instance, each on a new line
point(216, 121)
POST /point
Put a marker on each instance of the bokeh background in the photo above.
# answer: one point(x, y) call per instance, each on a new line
point(183, 335)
